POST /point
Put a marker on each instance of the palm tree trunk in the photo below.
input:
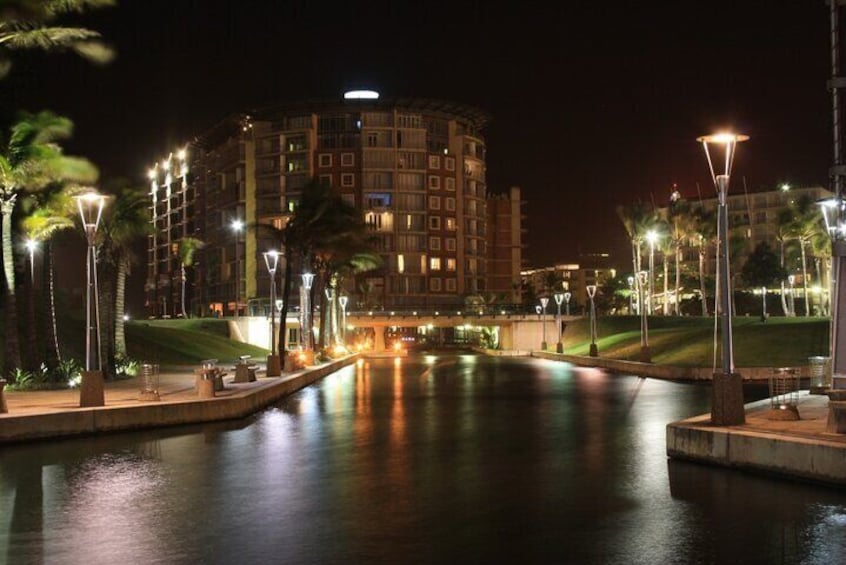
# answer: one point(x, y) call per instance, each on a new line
point(678, 280)
point(805, 277)
point(32, 356)
point(182, 291)
point(13, 348)
point(54, 355)
point(321, 337)
point(823, 296)
point(781, 262)
point(282, 337)
point(702, 282)
point(666, 285)
point(120, 307)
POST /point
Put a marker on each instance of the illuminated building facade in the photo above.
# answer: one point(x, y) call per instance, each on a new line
point(416, 168)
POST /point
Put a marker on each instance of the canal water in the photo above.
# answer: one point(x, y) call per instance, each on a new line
point(428, 459)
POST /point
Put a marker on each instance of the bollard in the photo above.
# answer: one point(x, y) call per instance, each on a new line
point(205, 388)
point(4, 409)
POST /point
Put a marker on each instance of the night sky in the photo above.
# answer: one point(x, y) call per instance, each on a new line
point(594, 103)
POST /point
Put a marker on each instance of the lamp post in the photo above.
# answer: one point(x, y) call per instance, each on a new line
point(271, 261)
point(544, 302)
point(651, 237)
point(645, 352)
point(342, 300)
point(591, 291)
point(559, 299)
point(90, 207)
point(630, 280)
point(834, 214)
point(727, 390)
point(305, 318)
point(567, 296)
point(237, 226)
point(763, 303)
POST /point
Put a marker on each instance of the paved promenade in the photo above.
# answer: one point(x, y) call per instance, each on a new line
point(52, 414)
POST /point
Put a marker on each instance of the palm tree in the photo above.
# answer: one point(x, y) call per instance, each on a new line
point(187, 248)
point(638, 218)
point(806, 224)
point(29, 162)
point(25, 25)
point(784, 219)
point(53, 212)
point(681, 222)
point(703, 235)
point(125, 221)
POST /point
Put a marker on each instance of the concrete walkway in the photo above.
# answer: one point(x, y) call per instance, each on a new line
point(56, 413)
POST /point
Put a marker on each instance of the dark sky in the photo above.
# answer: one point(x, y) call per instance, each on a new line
point(594, 103)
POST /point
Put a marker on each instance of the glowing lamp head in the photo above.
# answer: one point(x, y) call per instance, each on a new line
point(784, 187)
point(271, 260)
point(727, 141)
point(833, 214)
point(538, 309)
point(342, 300)
point(31, 245)
point(182, 154)
point(567, 297)
point(544, 302)
point(559, 298)
point(308, 279)
point(630, 280)
point(591, 290)
point(652, 237)
point(361, 95)
point(237, 225)
point(151, 174)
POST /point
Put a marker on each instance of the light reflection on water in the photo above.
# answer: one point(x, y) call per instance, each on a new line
point(426, 459)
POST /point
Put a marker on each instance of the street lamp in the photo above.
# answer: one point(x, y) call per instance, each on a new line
point(544, 302)
point(630, 280)
point(567, 296)
point(652, 237)
point(31, 245)
point(645, 352)
point(727, 390)
point(90, 207)
point(343, 300)
point(305, 318)
point(834, 214)
point(591, 291)
point(271, 261)
point(559, 299)
point(237, 226)
point(763, 303)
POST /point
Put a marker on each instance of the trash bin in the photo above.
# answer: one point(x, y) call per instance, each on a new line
point(784, 394)
point(819, 369)
point(149, 382)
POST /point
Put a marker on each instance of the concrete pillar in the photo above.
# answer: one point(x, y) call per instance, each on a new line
point(379, 339)
point(506, 337)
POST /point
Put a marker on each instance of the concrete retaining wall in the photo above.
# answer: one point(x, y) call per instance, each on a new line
point(158, 414)
point(811, 459)
point(651, 370)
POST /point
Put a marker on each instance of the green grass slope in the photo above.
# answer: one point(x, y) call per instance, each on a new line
point(184, 342)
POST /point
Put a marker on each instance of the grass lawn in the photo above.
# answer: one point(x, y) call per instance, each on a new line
point(181, 342)
point(689, 342)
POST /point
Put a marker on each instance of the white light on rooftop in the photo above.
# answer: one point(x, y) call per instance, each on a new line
point(361, 95)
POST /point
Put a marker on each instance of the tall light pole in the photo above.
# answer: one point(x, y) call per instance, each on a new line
point(305, 315)
point(271, 261)
point(727, 390)
point(645, 352)
point(591, 291)
point(237, 226)
point(567, 296)
point(652, 238)
point(630, 280)
point(544, 302)
point(342, 300)
point(91, 393)
point(559, 299)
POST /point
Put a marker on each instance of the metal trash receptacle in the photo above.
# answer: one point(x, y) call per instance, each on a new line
point(819, 370)
point(784, 394)
point(149, 382)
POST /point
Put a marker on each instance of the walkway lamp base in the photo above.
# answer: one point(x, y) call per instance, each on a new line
point(274, 365)
point(559, 347)
point(91, 391)
point(594, 352)
point(727, 400)
point(645, 354)
point(543, 346)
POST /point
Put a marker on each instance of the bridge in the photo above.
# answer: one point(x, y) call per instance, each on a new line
point(517, 331)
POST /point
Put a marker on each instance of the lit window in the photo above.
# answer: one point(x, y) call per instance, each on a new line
point(434, 263)
point(434, 162)
point(450, 224)
point(347, 159)
point(450, 264)
point(401, 263)
point(347, 180)
point(325, 160)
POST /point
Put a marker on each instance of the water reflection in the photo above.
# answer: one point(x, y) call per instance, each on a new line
point(425, 459)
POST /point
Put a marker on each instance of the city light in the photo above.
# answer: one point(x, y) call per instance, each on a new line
point(361, 95)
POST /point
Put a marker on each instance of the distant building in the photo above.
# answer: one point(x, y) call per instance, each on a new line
point(595, 269)
point(416, 168)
